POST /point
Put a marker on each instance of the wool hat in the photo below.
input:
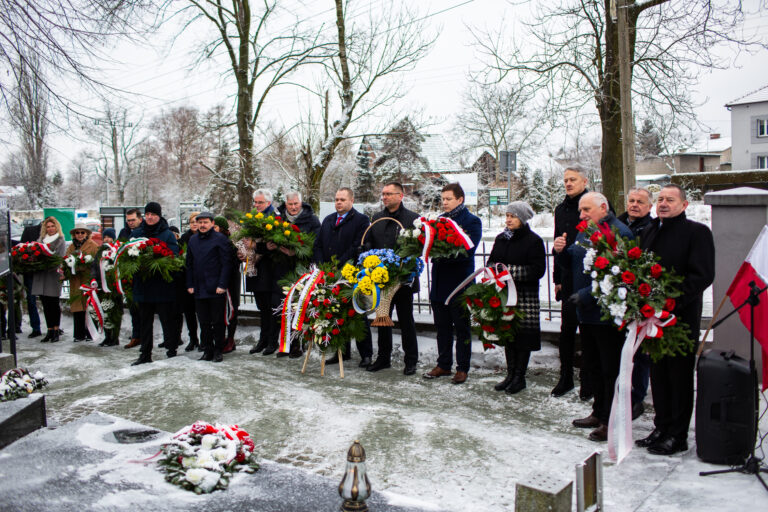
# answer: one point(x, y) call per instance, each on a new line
point(221, 222)
point(174, 229)
point(80, 227)
point(110, 232)
point(205, 215)
point(521, 210)
point(153, 207)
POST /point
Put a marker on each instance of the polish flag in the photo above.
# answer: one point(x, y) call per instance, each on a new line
point(754, 268)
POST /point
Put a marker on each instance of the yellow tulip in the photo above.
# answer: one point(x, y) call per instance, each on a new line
point(270, 218)
point(259, 215)
point(286, 224)
point(268, 227)
point(287, 232)
point(249, 215)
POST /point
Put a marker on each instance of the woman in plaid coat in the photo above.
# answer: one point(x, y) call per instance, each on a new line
point(522, 251)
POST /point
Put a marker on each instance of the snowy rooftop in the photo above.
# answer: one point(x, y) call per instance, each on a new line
point(756, 96)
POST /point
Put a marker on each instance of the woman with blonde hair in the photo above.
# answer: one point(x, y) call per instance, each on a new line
point(81, 243)
point(47, 283)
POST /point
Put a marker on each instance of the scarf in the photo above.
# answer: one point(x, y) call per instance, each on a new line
point(508, 233)
point(455, 212)
point(292, 218)
point(50, 238)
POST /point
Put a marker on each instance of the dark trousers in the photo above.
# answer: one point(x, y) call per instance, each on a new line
point(4, 319)
point(450, 320)
point(267, 302)
point(641, 373)
point(364, 346)
point(79, 331)
point(135, 321)
point(403, 301)
point(568, 324)
point(188, 306)
point(672, 390)
point(234, 293)
point(147, 311)
point(34, 316)
point(210, 314)
point(51, 311)
point(601, 345)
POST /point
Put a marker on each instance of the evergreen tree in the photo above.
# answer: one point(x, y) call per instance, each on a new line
point(554, 192)
point(538, 192)
point(521, 190)
point(647, 140)
point(401, 158)
point(366, 180)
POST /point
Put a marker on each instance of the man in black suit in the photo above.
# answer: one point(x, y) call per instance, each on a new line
point(688, 248)
point(340, 235)
point(31, 234)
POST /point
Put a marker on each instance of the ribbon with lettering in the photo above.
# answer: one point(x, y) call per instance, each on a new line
point(620, 422)
point(90, 292)
point(287, 317)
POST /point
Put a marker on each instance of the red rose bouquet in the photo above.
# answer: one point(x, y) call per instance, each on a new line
point(147, 257)
point(34, 257)
point(203, 457)
point(631, 286)
point(433, 237)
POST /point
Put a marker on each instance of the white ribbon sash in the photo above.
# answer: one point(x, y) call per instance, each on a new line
point(501, 279)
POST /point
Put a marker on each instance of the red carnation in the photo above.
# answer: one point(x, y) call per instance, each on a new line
point(582, 226)
point(669, 305)
point(37, 253)
point(644, 289)
point(450, 239)
point(339, 321)
point(628, 277)
point(488, 328)
point(601, 262)
point(335, 290)
point(506, 327)
point(344, 300)
point(328, 316)
point(24, 257)
point(469, 301)
point(331, 275)
point(478, 303)
point(596, 236)
point(494, 302)
point(656, 271)
point(315, 302)
point(351, 312)
point(157, 249)
point(647, 311)
point(326, 302)
point(295, 228)
point(240, 457)
point(457, 242)
point(488, 346)
point(335, 331)
point(634, 253)
point(277, 217)
point(421, 239)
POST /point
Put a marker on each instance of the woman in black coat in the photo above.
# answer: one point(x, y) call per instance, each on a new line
point(522, 251)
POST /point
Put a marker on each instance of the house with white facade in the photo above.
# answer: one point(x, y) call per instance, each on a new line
point(749, 130)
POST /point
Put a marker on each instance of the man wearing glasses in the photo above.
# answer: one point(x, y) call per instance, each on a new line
point(383, 235)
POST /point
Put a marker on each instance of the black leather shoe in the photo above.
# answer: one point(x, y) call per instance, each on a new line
point(47, 337)
point(162, 345)
point(637, 410)
point(207, 356)
point(564, 385)
point(217, 357)
point(54, 337)
point(588, 422)
point(104, 343)
point(141, 360)
point(409, 370)
point(365, 362)
point(380, 364)
point(259, 347)
point(269, 350)
point(648, 441)
point(170, 354)
point(668, 446)
point(190, 346)
point(35, 334)
point(516, 385)
point(501, 386)
point(295, 354)
point(585, 393)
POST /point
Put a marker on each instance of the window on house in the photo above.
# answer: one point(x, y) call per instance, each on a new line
point(762, 162)
point(762, 127)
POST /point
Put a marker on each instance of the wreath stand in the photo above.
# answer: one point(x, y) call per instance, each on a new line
point(322, 361)
point(382, 310)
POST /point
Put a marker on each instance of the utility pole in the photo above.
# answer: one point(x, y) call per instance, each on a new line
point(625, 91)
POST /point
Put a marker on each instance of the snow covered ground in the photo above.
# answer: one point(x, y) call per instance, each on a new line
point(428, 442)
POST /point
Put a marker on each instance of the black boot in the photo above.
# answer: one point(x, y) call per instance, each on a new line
point(261, 345)
point(521, 366)
point(565, 384)
point(191, 346)
point(509, 354)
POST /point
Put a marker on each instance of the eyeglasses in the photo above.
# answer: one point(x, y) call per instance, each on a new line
point(81, 232)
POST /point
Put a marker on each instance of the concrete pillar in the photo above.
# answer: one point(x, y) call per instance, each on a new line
point(738, 215)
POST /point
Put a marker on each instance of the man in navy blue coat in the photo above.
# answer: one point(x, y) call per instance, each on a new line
point(447, 274)
point(152, 294)
point(340, 235)
point(601, 341)
point(209, 264)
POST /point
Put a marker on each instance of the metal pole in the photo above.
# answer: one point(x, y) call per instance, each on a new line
point(625, 92)
point(9, 292)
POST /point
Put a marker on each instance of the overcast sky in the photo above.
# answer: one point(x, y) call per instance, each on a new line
point(159, 75)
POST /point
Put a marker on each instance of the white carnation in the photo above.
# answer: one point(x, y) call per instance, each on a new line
point(595, 286)
point(606, 286)
point(208, 441)
point(196, 475)
point(617, 310)
point(220, 454)
point(589, 259)
point(417, 224)
point(490, 337)
point(622, 292)
point(415, 233)
point(133, 251)
point(593, 275)
point(615, 270)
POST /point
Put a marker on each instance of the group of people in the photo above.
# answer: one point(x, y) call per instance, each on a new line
point(208, 292)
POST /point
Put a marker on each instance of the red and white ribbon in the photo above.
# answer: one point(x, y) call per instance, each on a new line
point(491, 274)
point(229, 312)
point(287, 316)
point(620, 422)
point(466, 242)
point(92, 300)
point(107, 258)
point(132, 243)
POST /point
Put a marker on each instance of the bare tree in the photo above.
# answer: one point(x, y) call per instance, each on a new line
point(260, 59)
point(499, 116)
point(81, 183)
point(574, 55)
point(181, 144)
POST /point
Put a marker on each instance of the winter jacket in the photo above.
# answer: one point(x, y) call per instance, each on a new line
point(186, 236)
point(525, 256)
point(448, 273)
point(209, 263)
point(307, 221)
point(687, 247)
point(572, 259)
point(638, 225)
point(566, 219)
point(47, 283)
point(342, 241)
point(383, 235)
point(82, 277)
point(125, 233)
point(154, 288)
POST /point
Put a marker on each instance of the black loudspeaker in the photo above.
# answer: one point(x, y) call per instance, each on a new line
point(725, 408)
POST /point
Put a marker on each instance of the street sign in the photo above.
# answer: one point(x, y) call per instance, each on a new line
point(498, 196)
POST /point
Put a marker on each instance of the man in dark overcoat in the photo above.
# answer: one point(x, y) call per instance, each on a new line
point(209, 264)
point(447, 274)
point(383, 235)
point(566, 219)
point(132, 221)
point(340, 235)
point(686, 247)
point(601, 341)
point(152, 294)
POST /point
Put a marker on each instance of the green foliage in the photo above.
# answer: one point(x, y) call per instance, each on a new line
point(492, 321)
